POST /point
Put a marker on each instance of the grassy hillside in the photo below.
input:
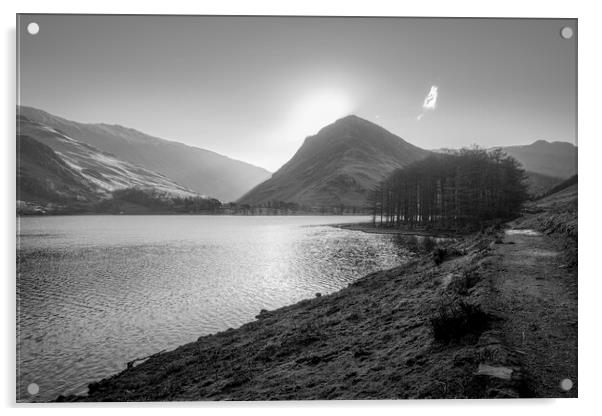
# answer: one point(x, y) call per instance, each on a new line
point(337, 166)
point(539, 184)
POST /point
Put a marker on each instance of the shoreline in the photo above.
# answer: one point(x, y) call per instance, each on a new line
point(181, 214)
point(441, 326)
point(365, 341)
point(371, 229)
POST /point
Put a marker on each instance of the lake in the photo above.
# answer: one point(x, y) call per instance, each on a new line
point(94, 292)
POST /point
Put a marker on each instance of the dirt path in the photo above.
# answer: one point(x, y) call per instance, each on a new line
point(536, 294)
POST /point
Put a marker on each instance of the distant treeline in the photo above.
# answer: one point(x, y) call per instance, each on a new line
point(290, 208)
point(148, 201)
point(463, 190)
point(151, 201)
point(135, 200)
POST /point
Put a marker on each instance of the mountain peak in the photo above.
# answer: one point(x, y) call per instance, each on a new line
point(352, 119)
point(351, 127)
point(545, 143)
point(338, 166)
point(349, 118)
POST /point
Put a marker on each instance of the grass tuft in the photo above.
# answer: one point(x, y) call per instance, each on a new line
point(454, 321)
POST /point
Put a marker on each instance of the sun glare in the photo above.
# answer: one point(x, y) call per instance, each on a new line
point(306, 116)
point(317, 110)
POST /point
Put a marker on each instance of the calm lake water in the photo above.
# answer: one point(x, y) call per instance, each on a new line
point(94, 292)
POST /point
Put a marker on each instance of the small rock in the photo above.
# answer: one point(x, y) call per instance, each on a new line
point(503, 373)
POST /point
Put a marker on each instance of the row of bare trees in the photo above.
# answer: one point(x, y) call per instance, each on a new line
point(465, 189)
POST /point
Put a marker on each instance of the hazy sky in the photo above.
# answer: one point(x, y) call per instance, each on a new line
point(253, 88)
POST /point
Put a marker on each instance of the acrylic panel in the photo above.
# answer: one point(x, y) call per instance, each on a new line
point(295, 208)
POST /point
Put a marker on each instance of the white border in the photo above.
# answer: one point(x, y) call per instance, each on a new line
point(590, 153)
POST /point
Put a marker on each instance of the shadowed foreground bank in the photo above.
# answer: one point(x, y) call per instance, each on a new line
point(419, 331)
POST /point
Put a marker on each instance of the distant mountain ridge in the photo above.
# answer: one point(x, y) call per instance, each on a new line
point(553, 159)
point(338, 166)
point(202, 171)
point(557, 159)
point(59, 160)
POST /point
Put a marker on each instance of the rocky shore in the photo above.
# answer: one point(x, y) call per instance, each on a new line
point(478, 319)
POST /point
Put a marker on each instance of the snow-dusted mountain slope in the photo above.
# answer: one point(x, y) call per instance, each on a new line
point(101, 169)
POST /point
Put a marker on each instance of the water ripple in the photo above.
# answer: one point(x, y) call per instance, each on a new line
point(95, 292)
